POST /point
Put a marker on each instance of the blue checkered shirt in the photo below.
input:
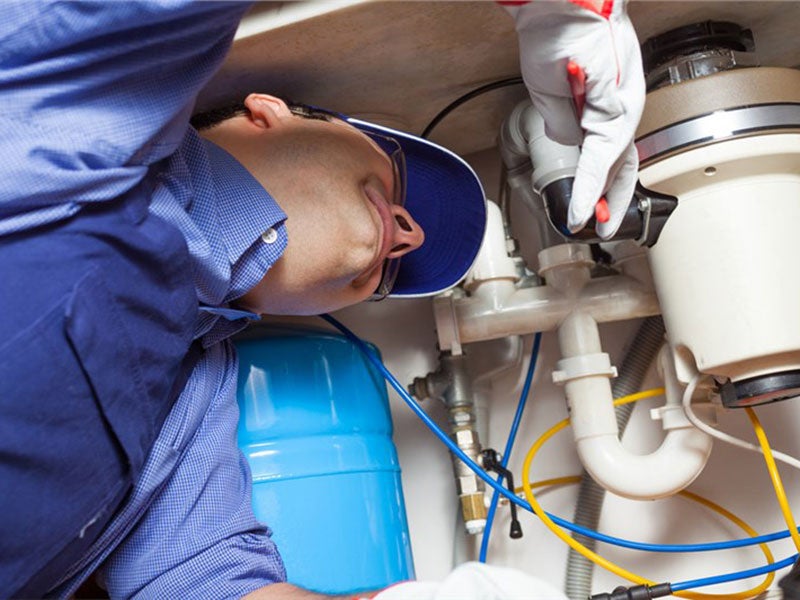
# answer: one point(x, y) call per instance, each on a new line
point(188, 530)
point(96, 99)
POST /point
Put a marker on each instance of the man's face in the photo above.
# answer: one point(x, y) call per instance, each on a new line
point(337, 187)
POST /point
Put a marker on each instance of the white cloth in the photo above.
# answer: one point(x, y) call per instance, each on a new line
point(476, 581)
point(552, 33)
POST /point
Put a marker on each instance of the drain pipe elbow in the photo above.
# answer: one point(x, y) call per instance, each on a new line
point(586, 377)
point(677, 462)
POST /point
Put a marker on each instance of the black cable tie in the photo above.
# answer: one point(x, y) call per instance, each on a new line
point(637, 592)
point(492, 463)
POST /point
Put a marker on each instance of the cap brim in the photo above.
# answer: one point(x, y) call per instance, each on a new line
point(446, 198)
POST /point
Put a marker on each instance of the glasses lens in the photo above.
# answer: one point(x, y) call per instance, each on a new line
point(391, 147)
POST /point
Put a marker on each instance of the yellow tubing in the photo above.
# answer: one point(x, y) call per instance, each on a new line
point(596, 558)
point(780, 493)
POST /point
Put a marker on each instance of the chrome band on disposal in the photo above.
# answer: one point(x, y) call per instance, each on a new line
point(718, 126)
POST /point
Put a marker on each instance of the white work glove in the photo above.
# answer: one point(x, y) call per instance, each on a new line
point(552, 33)
point(475, 581)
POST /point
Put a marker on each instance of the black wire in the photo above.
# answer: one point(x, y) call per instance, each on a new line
point(468, 96)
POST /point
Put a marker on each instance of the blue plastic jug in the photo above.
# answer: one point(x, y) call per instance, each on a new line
point(316, 429)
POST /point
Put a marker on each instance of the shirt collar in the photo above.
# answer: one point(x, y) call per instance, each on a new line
point(245, 208)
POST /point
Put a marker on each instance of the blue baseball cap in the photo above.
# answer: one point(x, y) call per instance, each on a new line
point(446, 198)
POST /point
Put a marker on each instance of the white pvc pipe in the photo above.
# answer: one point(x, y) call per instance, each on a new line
point(510, 311)
point(677, 462)
point(493, 262)
point(674, 465)
point(496, 308)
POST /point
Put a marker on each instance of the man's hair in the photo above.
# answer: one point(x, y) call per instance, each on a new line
point(214, 116)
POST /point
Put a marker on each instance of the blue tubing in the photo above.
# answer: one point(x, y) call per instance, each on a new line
point(498, 488)
point(512, 434)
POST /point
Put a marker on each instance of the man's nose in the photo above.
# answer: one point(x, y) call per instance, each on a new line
point(408, 235)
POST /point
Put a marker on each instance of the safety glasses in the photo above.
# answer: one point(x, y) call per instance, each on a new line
point(391, 147)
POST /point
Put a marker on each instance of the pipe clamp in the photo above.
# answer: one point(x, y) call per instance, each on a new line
point(585, 365)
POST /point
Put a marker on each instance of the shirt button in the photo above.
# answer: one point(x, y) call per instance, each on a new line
point(269, 236)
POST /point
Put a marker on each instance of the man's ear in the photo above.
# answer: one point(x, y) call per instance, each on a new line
point(266, 111)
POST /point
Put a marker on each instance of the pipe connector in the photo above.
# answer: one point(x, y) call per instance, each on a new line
point(473, 510)
point(566, 267)
point(493, 265)
point(565, 255)
point(469, 486)
point(456, 393)
point(585, 365)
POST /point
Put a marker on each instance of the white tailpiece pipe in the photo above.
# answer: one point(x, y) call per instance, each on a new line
point(585, 372)
point(496, 308)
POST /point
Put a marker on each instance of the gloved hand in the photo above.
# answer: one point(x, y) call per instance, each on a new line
point(604, 44)
point(475, 581)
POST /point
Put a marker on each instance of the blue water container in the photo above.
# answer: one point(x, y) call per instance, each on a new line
point(316, 429)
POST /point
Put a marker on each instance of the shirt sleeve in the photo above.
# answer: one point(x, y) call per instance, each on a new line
point(199, 537)
point(93, 93)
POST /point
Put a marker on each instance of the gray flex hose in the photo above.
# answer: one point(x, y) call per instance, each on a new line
point(645, 346)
